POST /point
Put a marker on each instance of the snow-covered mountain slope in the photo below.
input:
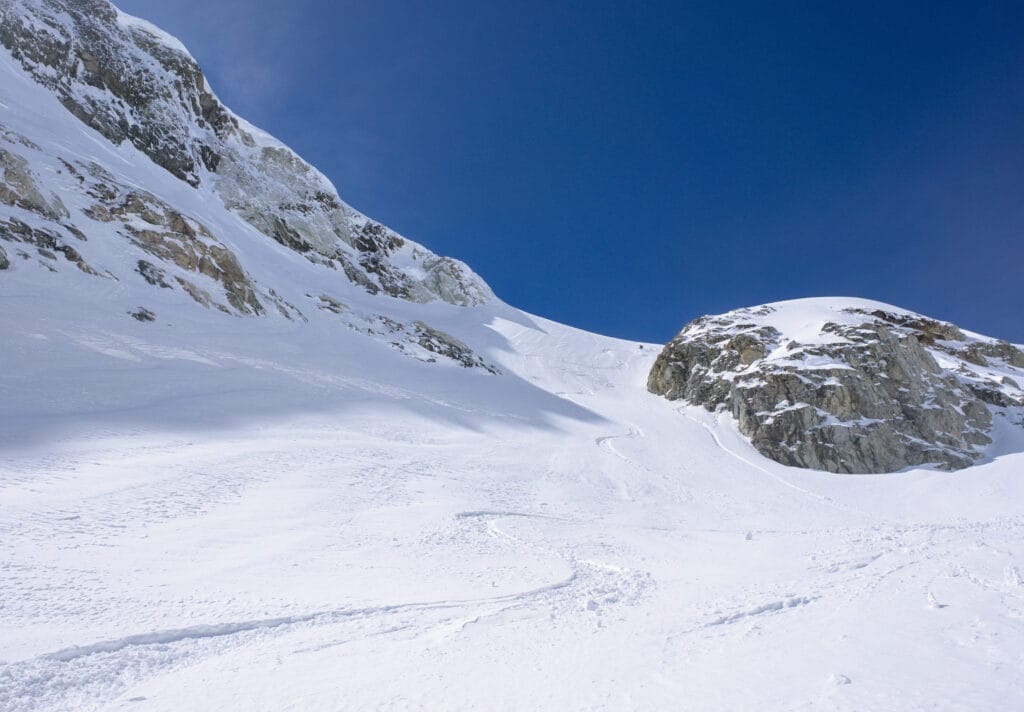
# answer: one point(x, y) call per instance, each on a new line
point(111, 136)
point(318, 505)
point(79, 212)
point(208, 512)
point(848, 385)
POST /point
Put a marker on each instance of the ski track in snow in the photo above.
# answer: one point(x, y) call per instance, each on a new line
point(362, 547)
point(105, 668)
point(778, 478)
point(606, 443)
point(145, 556)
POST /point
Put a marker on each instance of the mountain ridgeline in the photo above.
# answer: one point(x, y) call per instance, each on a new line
point(131, 83)
point(139, 92)
point(123, 177)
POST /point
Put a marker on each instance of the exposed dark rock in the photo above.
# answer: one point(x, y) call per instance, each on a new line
point(96, 51)
point(356, 275)
point(74, 231)
point(143, 314)
point(47, 242)
point(287, 235)
point(863, 393)
point(173, 238)
point(374, 237)
point(330, 304)
point(420, 340)
point(152, 274)
point(131, 84)
point(444, 344)
point(20, 188)
point(200, 295)
point(285, 308)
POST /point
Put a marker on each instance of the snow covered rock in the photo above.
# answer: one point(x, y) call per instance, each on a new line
point(132, 83)
point(18, 187)
point(117, 161)
point(845, 385)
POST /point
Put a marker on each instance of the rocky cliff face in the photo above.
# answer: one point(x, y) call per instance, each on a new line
point(117, 161)
point(846, 386)
point(132, 83)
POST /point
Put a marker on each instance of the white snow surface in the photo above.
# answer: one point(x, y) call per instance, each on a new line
point(211, 512)
point(137, 23)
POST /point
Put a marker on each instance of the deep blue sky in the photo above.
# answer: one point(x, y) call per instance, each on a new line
point(625, 167)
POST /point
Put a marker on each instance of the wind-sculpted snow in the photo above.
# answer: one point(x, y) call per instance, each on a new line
point(847, 385)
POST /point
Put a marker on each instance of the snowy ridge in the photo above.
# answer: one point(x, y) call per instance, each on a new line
point(73, 205)
point(135, 86)
point(132, 23)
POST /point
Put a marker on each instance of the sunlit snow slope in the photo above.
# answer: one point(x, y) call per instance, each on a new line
point(219, 513)
point(210, 511)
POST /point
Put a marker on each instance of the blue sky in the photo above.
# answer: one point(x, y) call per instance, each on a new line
point(625, 167)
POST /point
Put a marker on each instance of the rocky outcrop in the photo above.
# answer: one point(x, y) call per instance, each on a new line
point(443, 344)
point(19, 188)
point(142, 314)
point(169, 236)
point(108, 75)
point(845, 385)
point(48, 244)
point(417, 339)
point(70, 193)
point(172, 237)
point(134, 84)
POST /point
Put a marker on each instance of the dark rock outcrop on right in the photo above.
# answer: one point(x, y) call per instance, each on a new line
point(846, 386)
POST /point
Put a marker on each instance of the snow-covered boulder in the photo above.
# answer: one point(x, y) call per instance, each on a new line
point(846, 385)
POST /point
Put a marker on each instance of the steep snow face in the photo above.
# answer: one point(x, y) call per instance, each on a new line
point(847, 385)
point(132, 84)
point(85, 221)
